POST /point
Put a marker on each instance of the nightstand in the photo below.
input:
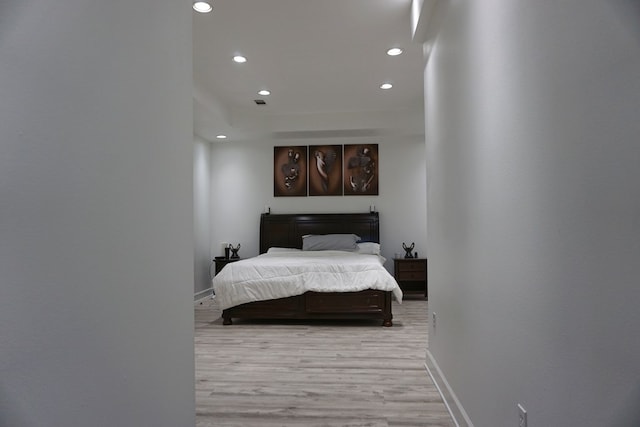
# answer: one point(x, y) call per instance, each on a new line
point(411, 274)
point(222, 261)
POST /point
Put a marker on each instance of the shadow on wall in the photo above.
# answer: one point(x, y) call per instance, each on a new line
point(630, 410)
point(629, 12)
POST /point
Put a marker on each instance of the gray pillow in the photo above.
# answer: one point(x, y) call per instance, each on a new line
point(327, 242)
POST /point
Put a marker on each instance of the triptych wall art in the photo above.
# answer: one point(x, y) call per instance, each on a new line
point(325, 170)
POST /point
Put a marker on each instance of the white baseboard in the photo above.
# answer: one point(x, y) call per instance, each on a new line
point(207, 293)
point(459, 415)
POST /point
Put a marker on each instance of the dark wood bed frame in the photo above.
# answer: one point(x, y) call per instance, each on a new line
point(286, 231)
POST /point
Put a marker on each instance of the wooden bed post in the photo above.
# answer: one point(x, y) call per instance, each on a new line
point(226, 319)
point(387, 310)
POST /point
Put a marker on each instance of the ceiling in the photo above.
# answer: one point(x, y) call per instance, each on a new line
point(322, 60)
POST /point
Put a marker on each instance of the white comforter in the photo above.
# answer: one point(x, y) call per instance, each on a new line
point(284, 274)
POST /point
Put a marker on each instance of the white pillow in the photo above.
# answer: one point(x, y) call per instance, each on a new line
point(369, 248)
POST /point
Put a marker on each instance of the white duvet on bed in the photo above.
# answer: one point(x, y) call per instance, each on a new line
point(279, 274)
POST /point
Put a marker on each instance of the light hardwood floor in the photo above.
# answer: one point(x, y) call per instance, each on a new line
point(315, 373)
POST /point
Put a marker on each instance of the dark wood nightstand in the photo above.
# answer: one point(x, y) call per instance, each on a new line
point(222, 261)
point(411, 274)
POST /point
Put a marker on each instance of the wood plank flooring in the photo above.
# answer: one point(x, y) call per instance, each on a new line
point(287, 373)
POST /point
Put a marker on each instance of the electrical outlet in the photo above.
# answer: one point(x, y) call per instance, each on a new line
point(433, 316)
point(522, 416)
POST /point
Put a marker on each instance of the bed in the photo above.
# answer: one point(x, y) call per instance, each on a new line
point(283, 233)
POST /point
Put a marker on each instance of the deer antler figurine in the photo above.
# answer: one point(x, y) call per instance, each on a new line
point(234, 251)
point(408, 249)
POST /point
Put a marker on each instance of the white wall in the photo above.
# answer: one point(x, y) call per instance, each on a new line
point(533, 154)
point(242, 184)
point(202, 215)
point(96, 246)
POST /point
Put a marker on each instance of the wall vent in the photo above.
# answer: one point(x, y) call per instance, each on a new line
point(260, 102)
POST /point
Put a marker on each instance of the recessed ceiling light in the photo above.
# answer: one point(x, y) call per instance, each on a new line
point(221, 136)
point(394, 51)
point(202, 7)
point(386, 86)
point(264, 92)
point(239, 59)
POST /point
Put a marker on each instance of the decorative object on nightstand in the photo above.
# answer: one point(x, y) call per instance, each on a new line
point(411, 274)
point(408, 249)
point(234, 251)
point(221, 261)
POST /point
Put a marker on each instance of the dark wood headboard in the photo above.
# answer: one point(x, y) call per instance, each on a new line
point(286, 230)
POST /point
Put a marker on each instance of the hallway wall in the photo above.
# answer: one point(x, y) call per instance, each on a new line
point(96, 214)
point(534, 234)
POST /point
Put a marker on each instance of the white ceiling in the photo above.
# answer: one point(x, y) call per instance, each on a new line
point(322, 60)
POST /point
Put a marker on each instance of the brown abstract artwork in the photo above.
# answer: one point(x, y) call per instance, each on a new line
point(325, 170)
point(290, 171)
point(361, 170)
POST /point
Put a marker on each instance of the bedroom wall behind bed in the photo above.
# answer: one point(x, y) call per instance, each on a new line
point(242, 184)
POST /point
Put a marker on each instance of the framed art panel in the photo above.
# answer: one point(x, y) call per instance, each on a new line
point(290, 171)
point(361, 170)
point(325, 170)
